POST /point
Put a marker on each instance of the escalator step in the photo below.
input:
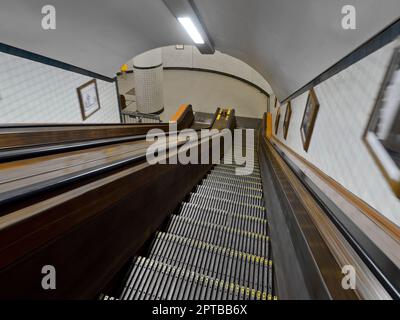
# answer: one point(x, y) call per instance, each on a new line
point(245, 183)
point(234, 183)
point(229, 195)
point(234, 166)
point(232, 171)
point(253, 243)
point(213, 261)
point(227, 205)
point(239, 188)
point(240, 172)
point(161, 281)
point(224, 218)
point(230, 174)
point(215, 247)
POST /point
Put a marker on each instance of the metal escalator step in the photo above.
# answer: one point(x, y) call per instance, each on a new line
point(132, 277)
point(253, 188)
point(223, 236)
point(232, 171)
point(238, 187)
point(221, 217)
point(229, 195)
point(136, 274)
point(231, 166)
point(243, 268)
point(253, 243)
point(229, 159)
point(245, 151)
point(250, 184)
point(233, 189)
point(246, 183)
point(131, 274)
point(227, 205)
point(234, 166)
point(216, 247)
point(176, 283)
point(233, 176)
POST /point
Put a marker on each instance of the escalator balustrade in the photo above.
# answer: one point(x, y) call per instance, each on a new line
point(216, 246)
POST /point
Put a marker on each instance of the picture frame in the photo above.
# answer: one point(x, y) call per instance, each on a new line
point(382, 135)
point(308, 120)
point(286, 119)
point(88, 96)
point(277, 120)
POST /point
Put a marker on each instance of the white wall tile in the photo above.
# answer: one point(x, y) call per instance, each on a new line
point(32, 92)
point(346, 101)
point(207, 91)
point(190, 57)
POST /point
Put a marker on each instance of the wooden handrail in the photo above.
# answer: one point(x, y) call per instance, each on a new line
point(360, 236)
point(12, 137)
point(379, 220)
point(184, 116)
point(89, 230)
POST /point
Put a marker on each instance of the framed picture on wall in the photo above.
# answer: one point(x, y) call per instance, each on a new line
point(277, 119)
point(382, 135)
point(309, 117)
point(88, 96)
point(286, 120)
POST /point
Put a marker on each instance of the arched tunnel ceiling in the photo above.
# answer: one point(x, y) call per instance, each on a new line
point(288, 42)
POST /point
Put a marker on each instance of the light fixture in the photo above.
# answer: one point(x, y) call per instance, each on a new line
point(191, 29)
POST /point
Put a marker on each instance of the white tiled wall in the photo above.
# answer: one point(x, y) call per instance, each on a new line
point(346, 101)
point(207, 91)
point(190, 57)
point(32, 92)
point(149, 89)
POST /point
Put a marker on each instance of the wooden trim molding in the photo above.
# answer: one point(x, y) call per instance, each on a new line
point(375, 238)
point(184, 116)
point(179, 112)
point(320, 266)
point(39, 135)
point(368, 284)
point(388, 226)
point(91, 229)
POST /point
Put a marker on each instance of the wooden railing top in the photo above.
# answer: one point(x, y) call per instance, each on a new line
point(24, 136)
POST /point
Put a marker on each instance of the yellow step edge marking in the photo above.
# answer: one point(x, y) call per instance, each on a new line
point(223, 250)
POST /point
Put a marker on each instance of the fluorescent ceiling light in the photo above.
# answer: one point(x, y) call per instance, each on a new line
point(191, 29)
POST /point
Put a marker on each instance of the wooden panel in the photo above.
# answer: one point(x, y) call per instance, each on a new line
point(89, 231)
point(331, 240)
point(371, 221)
point(178, 114)
point(29, 175)
point(30, 136)
point(319, 266)
point(269, 125)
